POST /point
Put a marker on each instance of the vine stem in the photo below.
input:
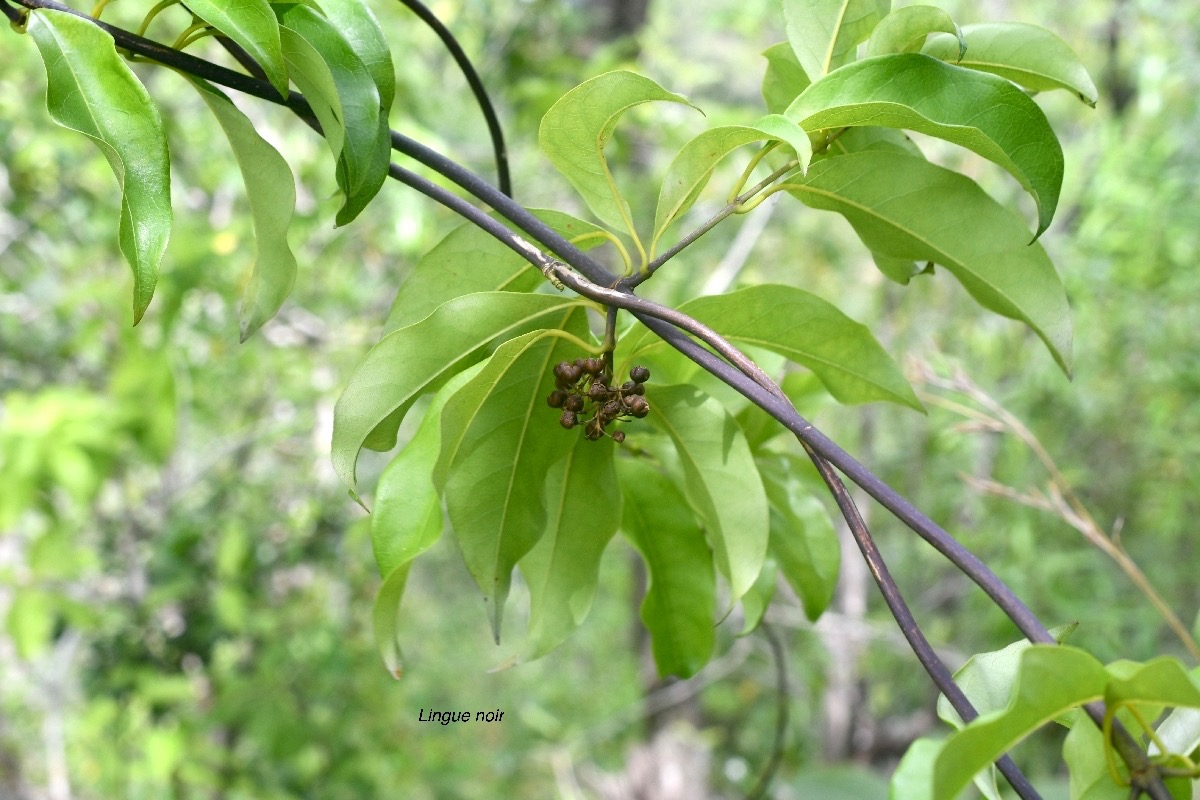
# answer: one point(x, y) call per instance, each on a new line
point(667, 323)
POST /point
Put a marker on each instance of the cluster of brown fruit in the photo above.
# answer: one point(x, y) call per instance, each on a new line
point(582, 393)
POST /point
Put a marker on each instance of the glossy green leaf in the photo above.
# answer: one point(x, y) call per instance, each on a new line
point(784, 78)
point(471, 260)
point(721, 480)
point(416, 359)
point(905, 30)
point(1180, 731)
point(978, 111)
point(583, 511)
point(824, 33)
point(92, 90)
point(320, 59)
point(1027, 55)
point(692, 167)
point(906, 208)
point(802, 327)
point(681, 590)
point(1052, 680)
point(499, 440)
point(252, 25)
point(576, 129)
point(271, 191)
point(803, 540)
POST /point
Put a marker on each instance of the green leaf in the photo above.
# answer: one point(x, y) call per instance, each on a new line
point(271, 190)
point(824, 32)
point(471, 260)
point(358, 25)
point(980, 112)
point(499, 440)
point(756, 600)
point(407, 519)
point(252, 25)
point(407, 515)
point(987, 678)
point(913, 778)
point(345, 99)
point(1027, 55)
point(803, 540)
point(91, 90)
point(802, 327)
point(583, 508)
point(576, 129)
point(906, 208)
point(413, 360)
point(1084, 754)
point(905, 29)
point(1162, 681)
point(692, 167)
point(784, 79)
point(1052, 680)
point(681, 590)
point(384, 615)
point(720, 479)
point(1180, 731)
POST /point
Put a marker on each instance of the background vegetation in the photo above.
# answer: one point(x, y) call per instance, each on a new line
point(187, 588)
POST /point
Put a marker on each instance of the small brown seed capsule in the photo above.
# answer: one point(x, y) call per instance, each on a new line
point(612, 409)
point(560, 369)
point(637, 406)
point(618, 436)
point(592, 366)
point(556, 398)
point(567, 420)
point(639, 374)
point(573, 403)
point(595, 429)
point(598, 392)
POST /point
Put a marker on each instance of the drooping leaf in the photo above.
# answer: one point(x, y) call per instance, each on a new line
point(823, 33)
point(1162, 681)
point(906, 208)
point(756, 600)
point(362, 31)
point(407, 519)
point(576, 129)
point(681, 590)
point(91, 90)
point(692, 167)
point(1052, 680)
point(471, 260)
point(905, 30)
point(499, 440)
point(720, 478)
point(973, 109)
point(252, 25)
point(344, 97)
point(913, 778)
point(583, 509)
point(784, 79)
point(1027, 55)
point(802, 327)
point(803, 540)
point(271, 191)
point(416, 359)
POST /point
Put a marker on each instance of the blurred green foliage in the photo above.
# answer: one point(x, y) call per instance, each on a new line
point(187, 588)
